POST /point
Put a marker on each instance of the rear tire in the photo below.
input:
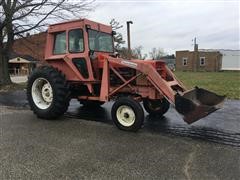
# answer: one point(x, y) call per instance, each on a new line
point(156, 107)
point(127, 114)
point(48, 92)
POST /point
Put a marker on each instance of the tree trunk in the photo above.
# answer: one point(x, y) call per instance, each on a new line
point(4, 54)
point(4, 74)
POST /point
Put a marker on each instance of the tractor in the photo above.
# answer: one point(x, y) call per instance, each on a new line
point(80, 63)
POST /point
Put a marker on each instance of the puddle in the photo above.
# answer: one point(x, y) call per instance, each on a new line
point(223, 126)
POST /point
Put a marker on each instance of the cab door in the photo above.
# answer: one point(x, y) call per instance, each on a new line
point(78, 52)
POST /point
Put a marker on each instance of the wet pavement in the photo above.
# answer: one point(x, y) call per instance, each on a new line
point(222, 127)
point(72, 148)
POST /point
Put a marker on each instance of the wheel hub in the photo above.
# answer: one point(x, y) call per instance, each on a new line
point(47, 92)
point(42, 93)
point(126, 115)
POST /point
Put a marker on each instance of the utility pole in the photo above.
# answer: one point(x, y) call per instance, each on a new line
point(128, 37)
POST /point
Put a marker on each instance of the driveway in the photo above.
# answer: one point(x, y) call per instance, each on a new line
point(74, 148)
point(222, 126)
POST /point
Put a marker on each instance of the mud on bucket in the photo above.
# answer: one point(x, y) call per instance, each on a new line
point(197, 103)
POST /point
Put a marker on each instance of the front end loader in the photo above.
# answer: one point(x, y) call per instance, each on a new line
point(80, 63)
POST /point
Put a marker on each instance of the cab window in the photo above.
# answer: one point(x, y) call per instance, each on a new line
point(59, 43)
point(100, 41)
point(75, 41)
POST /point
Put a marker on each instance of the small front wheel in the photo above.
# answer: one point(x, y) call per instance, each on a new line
point(127, 114)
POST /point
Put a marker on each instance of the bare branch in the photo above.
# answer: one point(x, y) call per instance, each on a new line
point(43, 19)
point(20, 16)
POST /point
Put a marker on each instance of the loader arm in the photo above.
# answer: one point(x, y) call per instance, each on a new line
point(164, 87)
point(192, 104)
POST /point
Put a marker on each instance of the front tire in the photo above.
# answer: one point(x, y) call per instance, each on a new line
point(48, 92)
point(127, 114)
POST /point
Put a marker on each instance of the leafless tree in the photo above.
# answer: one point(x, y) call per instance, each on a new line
point(157, 53)
point(20, 16)
point(118, 38)
point(137, 53)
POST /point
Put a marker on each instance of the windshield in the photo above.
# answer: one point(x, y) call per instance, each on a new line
point(100, 41)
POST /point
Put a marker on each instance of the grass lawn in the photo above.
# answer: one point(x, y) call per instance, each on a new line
point(223, 83)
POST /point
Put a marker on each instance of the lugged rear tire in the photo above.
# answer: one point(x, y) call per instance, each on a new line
point(48, 92)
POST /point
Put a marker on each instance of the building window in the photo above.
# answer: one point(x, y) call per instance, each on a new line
point(184, 61)
point(202, 61)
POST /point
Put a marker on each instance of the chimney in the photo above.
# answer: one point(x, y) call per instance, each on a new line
point(196, 47)
point(195, 58)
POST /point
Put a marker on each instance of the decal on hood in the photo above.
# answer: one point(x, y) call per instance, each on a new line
point(128, 63)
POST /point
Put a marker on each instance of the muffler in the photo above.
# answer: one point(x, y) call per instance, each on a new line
point(197, 103)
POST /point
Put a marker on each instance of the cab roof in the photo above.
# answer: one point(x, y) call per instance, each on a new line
point(79, 23)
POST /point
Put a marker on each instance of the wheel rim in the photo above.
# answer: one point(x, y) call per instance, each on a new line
point(42, 93)
point(125, 115)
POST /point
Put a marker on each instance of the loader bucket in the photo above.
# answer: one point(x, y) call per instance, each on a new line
point(197, 103)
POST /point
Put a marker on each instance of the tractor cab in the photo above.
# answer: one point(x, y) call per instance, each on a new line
point(78, 42)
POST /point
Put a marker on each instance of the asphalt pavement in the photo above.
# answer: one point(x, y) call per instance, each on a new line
point(222, 126)
point(70, 148)
point(84, 144)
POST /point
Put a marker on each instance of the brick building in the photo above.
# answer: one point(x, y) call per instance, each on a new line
point(198, 60)
point(32, 45)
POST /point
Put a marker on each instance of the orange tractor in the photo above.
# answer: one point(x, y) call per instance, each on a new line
point(80, 63)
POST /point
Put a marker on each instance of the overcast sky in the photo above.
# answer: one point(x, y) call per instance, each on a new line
point(172, 25)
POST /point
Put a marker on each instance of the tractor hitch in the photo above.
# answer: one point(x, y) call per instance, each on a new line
point(197, 103)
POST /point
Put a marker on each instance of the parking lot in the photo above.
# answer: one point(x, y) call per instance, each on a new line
point(75, 148)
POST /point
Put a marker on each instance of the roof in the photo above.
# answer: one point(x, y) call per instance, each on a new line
point(71, 21)
point(219, 50)
point(210, 50)
point(31, 47)
point(26, 57)
point(202, 50)
point(78, 23)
